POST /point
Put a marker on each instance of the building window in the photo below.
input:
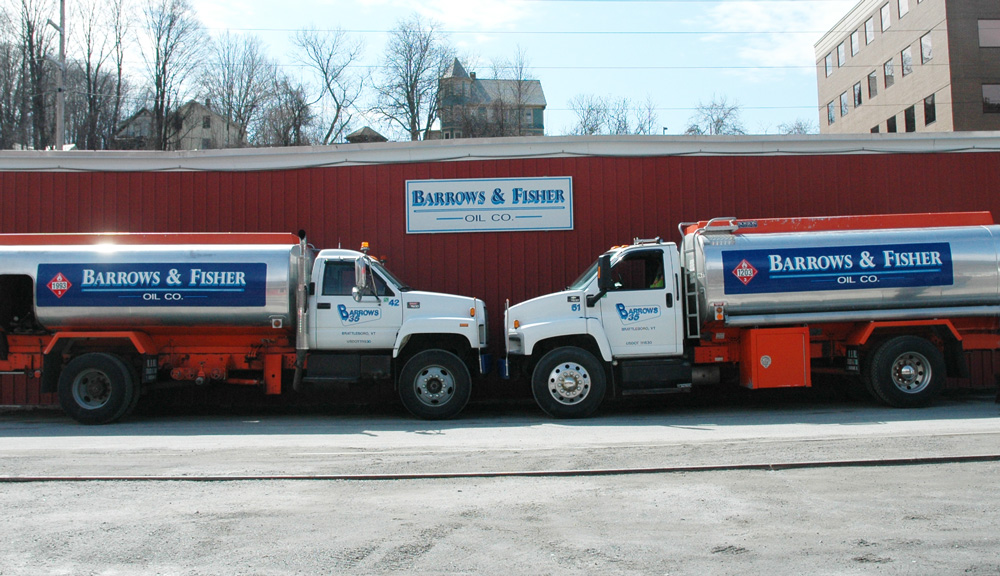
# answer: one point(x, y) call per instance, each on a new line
point(886, 19)
point(910, 118)
point(870, 30)
point(991, 98)
point(930, 110)
point(926, 49)
point(831, 113)
point(206, 121)
point(904, 7)
point(855, 43)
point(857, 94)
point(872, 85)
point(907, 61)
point(829, 64)
point(841, 55)
point(845, 104)
point(890, 77)
point(989, 33)
point(875, 130)
point(890, 124)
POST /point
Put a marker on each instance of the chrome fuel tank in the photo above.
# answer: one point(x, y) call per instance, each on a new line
point(813, 274)
point(112, 286)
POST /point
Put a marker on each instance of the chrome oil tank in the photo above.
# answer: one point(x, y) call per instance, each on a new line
point(811, 274)
point(133, 286)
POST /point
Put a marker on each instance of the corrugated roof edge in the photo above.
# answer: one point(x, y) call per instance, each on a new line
point(258, 159)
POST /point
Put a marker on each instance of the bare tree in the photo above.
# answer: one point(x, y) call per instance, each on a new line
point(647, 121)
point(591, 114)
point(121, 17)
point(13, 109)
point(597, 115)
point(96, 92)
point(238, 79)
point(36, 44)
point(515, 92)
point(330, 55)
point(417, 55)
point(799, 126)
point(286, 119)
point(717, 117)
point(177, 43)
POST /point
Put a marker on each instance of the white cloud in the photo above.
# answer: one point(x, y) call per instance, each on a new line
point(786, 31)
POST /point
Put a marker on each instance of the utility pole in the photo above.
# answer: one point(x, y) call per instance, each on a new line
point(61, 77)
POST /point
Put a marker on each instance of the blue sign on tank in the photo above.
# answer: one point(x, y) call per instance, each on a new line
point(837, 268)
point(236, 284)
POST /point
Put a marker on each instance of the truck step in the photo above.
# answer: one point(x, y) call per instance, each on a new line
point(680, 388)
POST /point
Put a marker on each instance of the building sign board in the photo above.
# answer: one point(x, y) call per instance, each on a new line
point(489, 205)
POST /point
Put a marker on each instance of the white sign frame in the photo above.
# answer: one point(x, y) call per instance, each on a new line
point(489, 205)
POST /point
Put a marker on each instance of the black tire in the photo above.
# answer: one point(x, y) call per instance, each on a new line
point(907, 372)
point(96, 389)
point(435, 385)
point(569, 382)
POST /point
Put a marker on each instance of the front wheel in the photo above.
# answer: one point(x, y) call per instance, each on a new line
point(97, 389)
point(907, 372)
point(568, 383)
point(435, 385)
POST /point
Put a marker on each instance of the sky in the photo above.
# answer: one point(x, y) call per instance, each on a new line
point(675, 53)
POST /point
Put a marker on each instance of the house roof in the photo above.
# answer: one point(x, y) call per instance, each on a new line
point(366, 134)
point(456, 70)
point(507, 90)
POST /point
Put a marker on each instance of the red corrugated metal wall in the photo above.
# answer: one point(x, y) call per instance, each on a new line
point(615, 199)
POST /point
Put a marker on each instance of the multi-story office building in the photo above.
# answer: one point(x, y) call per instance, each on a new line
point(911, 66)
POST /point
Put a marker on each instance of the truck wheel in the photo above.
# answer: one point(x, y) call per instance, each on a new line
point(907, 372)
point(568, 383)
point(96, 389)
point(435, 385)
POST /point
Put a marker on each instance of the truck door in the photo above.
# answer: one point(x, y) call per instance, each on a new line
point(343, 324)
point(640, 312)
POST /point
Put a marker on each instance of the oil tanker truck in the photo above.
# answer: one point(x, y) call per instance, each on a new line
point(102, 318)
point(891, 302)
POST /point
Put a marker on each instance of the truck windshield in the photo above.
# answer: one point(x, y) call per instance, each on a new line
point(403, 287)
point(585, 278)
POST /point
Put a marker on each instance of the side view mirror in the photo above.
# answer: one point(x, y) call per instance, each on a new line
point(604, 282)
point(360, 273)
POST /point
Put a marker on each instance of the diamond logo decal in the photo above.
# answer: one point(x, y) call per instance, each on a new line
point(745, 272)
point(59, 285)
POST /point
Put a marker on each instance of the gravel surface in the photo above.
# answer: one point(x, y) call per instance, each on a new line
point(917, 519)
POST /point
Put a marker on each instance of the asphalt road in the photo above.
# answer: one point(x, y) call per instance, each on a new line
point(650, 489)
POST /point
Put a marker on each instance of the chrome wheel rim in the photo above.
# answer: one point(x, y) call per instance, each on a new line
point(569, 383)
point(434, 385)
point(911, 372)
point(91, 389)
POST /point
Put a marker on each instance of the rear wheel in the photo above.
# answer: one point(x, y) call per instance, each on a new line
point(96, 388)
point(907, 372)
point(435, 385)
point(568, 382)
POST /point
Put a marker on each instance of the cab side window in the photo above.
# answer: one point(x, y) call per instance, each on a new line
point(338, 278)
point(639, 271)
point(381, 288)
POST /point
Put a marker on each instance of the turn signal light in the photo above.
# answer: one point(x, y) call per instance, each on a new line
point(517, 323)
point(472, 312)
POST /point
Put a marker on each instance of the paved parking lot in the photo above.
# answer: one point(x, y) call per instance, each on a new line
point(505, 490)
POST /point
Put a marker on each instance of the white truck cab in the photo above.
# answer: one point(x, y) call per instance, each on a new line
point(366, 323)
point(625, 309)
